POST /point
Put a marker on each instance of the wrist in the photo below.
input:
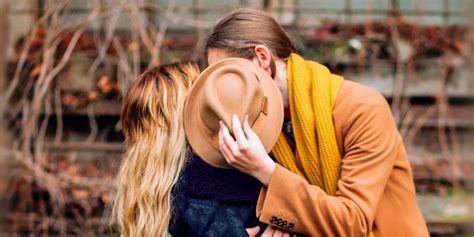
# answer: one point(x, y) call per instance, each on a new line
point(264, 174)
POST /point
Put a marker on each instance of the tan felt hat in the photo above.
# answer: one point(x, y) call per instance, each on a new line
point(227, 87)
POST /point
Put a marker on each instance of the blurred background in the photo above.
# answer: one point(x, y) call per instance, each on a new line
point(65, 65)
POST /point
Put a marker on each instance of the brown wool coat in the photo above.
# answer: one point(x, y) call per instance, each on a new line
point(375, 191)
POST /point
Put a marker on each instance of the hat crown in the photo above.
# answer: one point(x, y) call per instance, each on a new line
point(230, 90)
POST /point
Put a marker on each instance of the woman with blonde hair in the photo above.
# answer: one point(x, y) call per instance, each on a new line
point(156, 149)
point(162, 188)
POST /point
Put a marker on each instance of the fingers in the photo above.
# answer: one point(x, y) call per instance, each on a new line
point(253, 231)
point(271, 231)
point(223, 147)
point(228, 140)
point(268, 231)
point(247, 129)
point(226, 153)
point(278, 233)
point(238, 132)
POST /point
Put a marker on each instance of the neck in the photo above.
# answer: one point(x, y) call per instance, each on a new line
point(281, 79)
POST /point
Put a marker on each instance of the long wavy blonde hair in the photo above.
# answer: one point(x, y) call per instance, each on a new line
point(152, 121)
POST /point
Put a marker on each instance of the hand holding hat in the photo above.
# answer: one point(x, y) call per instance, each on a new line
point(246, 152)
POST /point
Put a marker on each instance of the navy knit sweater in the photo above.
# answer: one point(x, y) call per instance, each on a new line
point(208, 201)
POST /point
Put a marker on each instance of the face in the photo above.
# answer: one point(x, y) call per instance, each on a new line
point(214, 55)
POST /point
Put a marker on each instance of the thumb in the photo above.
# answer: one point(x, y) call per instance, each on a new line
point(253, 231)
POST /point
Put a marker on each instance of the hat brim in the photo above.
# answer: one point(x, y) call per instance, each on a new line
point(268, 134)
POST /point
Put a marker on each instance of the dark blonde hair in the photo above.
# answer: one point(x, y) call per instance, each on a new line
point(152, 122)
point(242, 30)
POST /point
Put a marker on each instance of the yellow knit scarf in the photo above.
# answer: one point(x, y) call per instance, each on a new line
point(312, 92)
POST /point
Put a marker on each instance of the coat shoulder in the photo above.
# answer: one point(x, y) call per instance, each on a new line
point(359, 106)
point(356, 94)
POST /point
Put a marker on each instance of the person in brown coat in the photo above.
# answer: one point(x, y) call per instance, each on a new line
point(341, 167)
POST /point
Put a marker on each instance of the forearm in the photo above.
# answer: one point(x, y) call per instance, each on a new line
point(264, 173)
point(308, 209)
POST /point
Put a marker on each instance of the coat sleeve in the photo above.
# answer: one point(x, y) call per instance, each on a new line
point(371, 144)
